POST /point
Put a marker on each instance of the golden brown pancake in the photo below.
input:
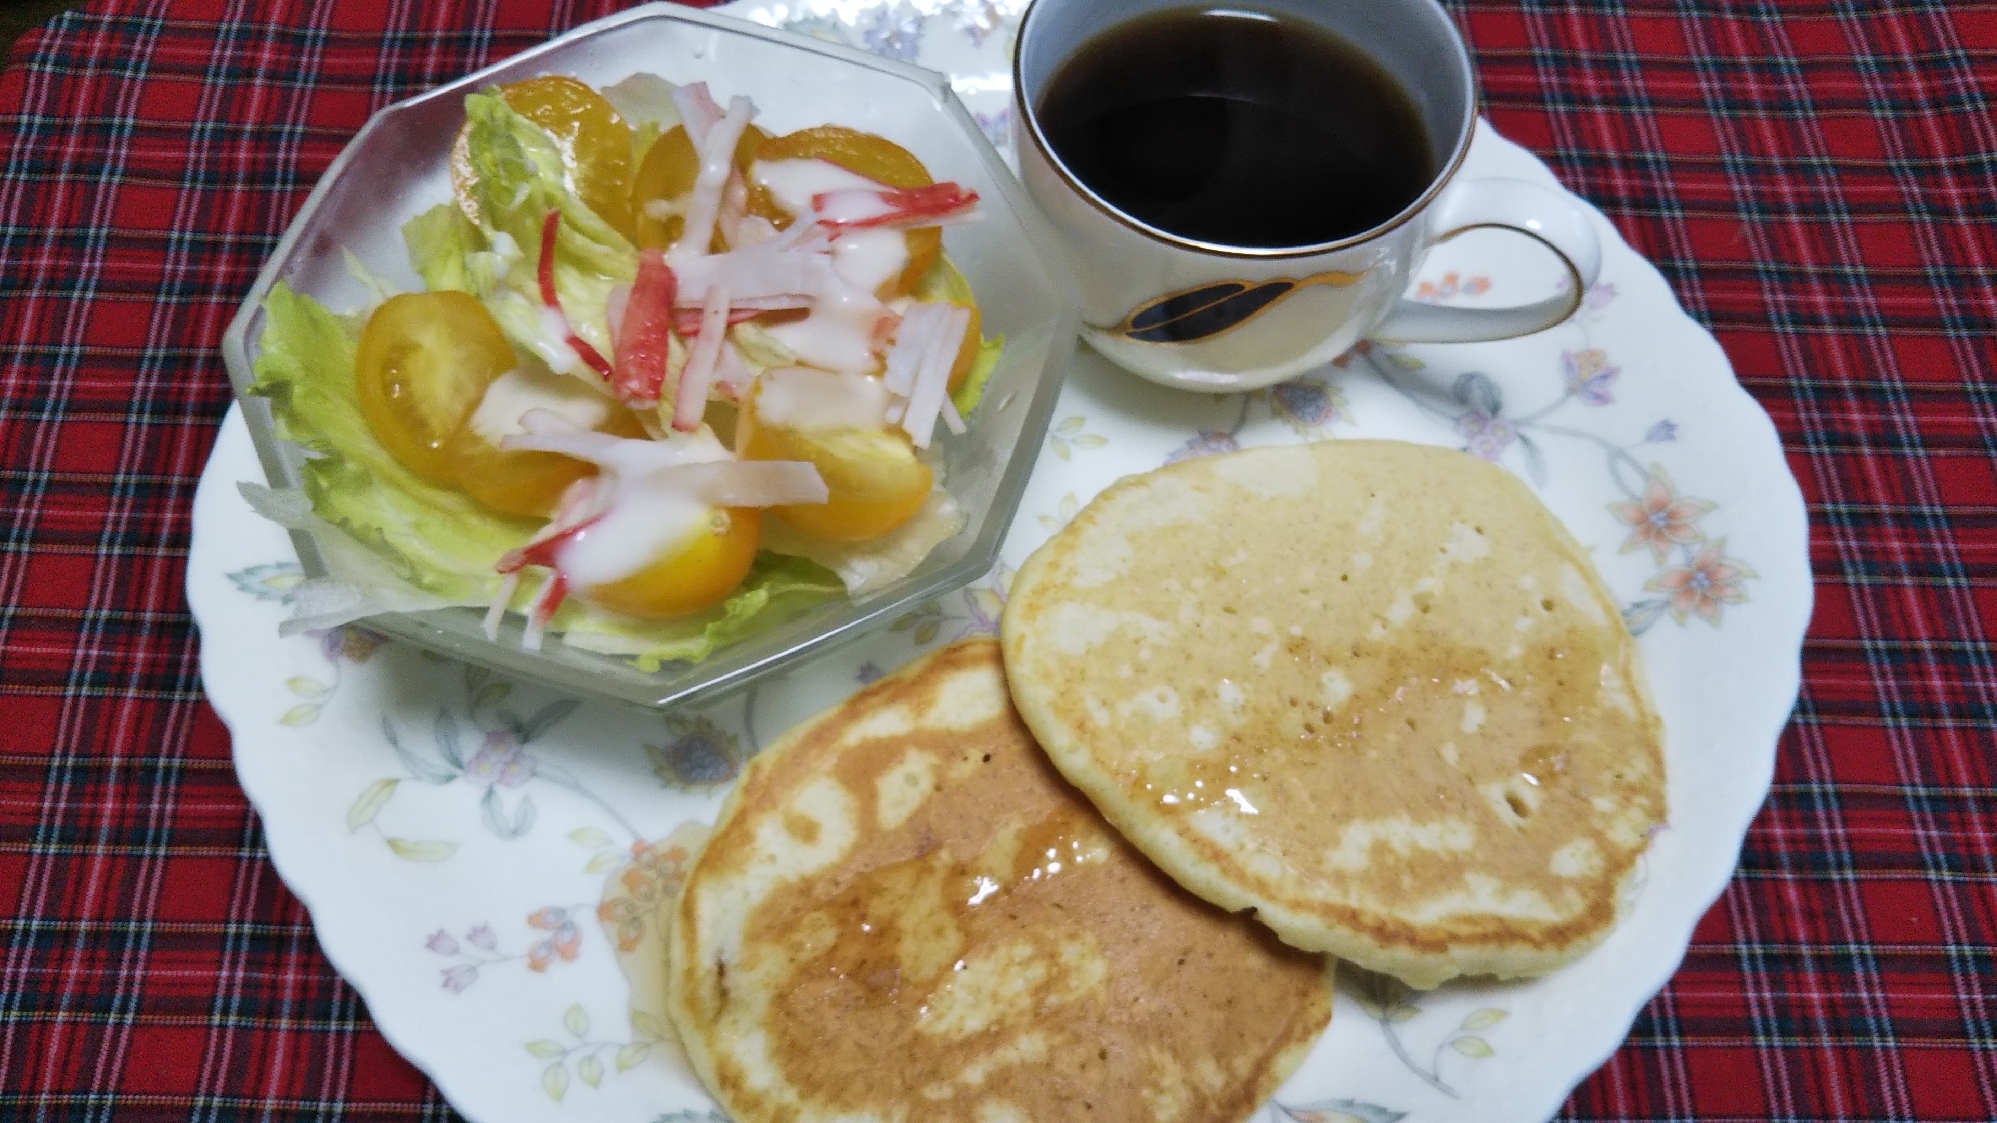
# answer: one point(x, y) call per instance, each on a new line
point(905, 914)
point(1371, 690)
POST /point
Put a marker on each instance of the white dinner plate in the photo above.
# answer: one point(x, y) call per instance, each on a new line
point(481, 858)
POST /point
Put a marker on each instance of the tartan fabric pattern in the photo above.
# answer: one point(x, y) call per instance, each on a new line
point(1817, 179)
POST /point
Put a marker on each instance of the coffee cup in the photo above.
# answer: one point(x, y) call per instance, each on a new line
point(1246, 190)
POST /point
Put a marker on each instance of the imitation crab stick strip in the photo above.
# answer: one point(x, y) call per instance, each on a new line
point(870, 209)
point(697, 377)
point(545, 274)
point(643, 334)
point(717, 164)
point(932, 377)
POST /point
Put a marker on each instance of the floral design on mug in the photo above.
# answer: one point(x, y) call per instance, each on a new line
point(1435, 292)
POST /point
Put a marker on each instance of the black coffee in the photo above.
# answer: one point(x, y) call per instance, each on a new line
point(1233, 126)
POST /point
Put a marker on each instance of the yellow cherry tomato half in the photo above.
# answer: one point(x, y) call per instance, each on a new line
point(864, 154)
point(424, 362)
point(667, 174)
point(699, 575)
point(526, 483)
point(876, 482)
point(594, 139)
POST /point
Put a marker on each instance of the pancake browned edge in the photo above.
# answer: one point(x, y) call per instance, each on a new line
point(905, 913)
point(1372, 690)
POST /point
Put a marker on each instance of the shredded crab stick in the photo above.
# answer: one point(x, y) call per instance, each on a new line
point(686, 321)
point(918, 368)
point(698, 375)
point(649, 498)
point(571, 515)
point(643, 332)
point(697, 110)
point(880, 208)
point(767, 277)
point(545, 273)
point(717, 166)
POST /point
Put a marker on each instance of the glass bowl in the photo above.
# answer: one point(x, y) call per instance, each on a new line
point(397, 167)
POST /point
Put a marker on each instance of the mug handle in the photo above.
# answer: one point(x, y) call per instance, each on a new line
point(1553, 218)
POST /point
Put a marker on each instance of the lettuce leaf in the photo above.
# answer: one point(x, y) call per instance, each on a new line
point(450, 251)
point(441, 242)
point(518, 176)
point(440, 541)
point(967, 396)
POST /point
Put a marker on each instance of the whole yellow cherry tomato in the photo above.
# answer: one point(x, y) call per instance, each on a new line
point(875, 480)
point(698, 575)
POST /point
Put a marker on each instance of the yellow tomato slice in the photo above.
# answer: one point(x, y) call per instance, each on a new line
point(424, 362)
point(667, 173)
point(864, 154)
point(595, 141)
point(700, 575)
point(525, 483)
point(876, 482)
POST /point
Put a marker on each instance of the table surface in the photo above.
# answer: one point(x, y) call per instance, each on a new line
point(1817, 181)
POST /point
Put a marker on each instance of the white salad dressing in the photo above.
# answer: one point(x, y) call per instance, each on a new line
point(839, 332)
point(717, 163)
point(551, 345)
point(644, 524)
point(534, 386)
point(793, 183)
point(654, 496)
point(805, 399)
point(868, 259)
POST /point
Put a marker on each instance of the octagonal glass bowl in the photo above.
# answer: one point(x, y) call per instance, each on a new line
point(397, 167)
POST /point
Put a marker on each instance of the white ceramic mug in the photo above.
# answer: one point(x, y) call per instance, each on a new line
point(1202, 316)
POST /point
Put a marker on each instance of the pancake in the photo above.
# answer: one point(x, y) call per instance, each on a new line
point(905, 914)
point(1372, 690)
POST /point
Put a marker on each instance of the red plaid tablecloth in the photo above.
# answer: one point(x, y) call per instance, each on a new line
point(1817, 180)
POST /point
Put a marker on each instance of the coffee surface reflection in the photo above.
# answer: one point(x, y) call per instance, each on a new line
point(1237, 127)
